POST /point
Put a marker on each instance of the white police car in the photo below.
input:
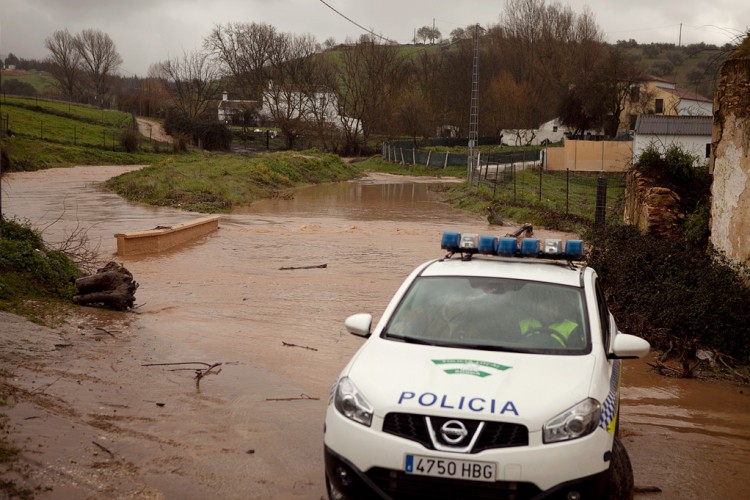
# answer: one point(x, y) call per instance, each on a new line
point(488, 376)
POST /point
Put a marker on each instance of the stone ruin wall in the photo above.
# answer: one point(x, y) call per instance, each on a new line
point(730, 158)
point(651, 208)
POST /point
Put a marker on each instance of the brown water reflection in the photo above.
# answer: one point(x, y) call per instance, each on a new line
point(225, 299)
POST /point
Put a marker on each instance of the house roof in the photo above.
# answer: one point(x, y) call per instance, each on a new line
point(687, 95)
point(673, 125)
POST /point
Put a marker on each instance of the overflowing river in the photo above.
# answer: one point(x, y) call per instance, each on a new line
point(254, 429)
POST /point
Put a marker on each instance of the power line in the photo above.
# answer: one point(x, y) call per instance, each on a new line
point(355, 23)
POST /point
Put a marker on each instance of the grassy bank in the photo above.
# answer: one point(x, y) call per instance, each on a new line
point(37, 134)
point(555, 200)
point(219, 182)
point(31, 273)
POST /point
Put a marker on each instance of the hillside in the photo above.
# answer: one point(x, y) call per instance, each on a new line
point(692, 67)
point(28, 83)
point(37, 133)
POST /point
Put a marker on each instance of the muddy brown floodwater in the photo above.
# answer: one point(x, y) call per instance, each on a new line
point(95, 422)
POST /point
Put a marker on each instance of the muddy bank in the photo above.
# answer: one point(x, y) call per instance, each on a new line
point(95, 422)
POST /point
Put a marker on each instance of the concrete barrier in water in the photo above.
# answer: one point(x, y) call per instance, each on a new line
point(160, 238)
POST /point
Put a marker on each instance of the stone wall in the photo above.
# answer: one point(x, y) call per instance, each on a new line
point(651, 208)
point(730, 158)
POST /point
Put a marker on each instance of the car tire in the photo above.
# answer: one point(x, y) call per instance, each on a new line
point(621, 484)
point(332, 493)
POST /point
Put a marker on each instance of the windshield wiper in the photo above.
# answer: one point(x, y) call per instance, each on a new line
point(410, 340)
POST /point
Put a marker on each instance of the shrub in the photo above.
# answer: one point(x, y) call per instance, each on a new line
point(677, 297)
point(29, 269)
point(674, 169)
point(129, 140)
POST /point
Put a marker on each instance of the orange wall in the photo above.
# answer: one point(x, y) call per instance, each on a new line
point(591, 156)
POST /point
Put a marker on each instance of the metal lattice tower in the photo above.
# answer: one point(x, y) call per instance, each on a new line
point(474, 112)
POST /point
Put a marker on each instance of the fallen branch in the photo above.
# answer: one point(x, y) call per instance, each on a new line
point(300, 397)
point(103, 449)
point(287, 344)
point(321, 266)
point(105, 331)
point(199, 372)
point(736, 373)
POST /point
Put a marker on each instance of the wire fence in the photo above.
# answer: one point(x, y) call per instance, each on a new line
point(592, 196)
point(407, 153)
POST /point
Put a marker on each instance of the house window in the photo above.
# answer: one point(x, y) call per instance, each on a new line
point(708, 150)
point(659, 106)
point(635, 93)
point(554, 128)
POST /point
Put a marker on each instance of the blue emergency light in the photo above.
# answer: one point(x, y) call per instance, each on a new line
point(551, 248)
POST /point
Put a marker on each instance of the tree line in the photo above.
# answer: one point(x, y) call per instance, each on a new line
point(540, 61)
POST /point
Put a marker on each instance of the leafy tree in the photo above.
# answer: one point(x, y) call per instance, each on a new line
point(428, 33)
point(11, 60)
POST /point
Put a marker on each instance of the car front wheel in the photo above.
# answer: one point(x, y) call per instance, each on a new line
point(620, 473)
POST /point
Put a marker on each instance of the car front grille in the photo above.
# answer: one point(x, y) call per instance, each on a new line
point(492, 434)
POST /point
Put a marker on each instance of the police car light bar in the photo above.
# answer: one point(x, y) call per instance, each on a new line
point(470, 243)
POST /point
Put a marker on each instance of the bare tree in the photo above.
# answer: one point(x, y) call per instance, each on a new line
point(291, 93)
point(65, 62)
point(370, 75)
point(191, 80)
point(100, 59)
point(244, 52)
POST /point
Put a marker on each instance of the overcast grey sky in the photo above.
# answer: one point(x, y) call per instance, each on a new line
point(148, 31)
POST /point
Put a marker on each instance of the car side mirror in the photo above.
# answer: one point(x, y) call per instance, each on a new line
point(359, 324)
point(629, 347)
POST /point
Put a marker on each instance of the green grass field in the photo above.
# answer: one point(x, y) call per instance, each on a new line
point(40, 80)
point(39, 133)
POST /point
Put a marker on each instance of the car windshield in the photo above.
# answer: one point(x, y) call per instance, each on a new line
point(492, 313)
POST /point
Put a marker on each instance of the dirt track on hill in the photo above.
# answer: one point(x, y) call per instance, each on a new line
point(153, 130)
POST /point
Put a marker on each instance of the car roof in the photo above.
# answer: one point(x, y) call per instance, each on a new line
point(550, 271)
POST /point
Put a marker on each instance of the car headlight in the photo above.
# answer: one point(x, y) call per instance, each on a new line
point(575, 422)
point(351, 403)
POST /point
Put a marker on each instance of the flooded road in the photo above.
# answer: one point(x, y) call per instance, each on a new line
point(98, 423)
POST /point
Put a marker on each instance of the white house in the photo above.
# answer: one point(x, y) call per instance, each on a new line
point(691, 133)
point(317, 104)
point(547, 133)
point(232, 110)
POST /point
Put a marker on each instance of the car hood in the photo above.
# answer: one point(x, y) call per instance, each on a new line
point(466, 383)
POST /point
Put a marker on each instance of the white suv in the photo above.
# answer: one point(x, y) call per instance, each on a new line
point(489, 375)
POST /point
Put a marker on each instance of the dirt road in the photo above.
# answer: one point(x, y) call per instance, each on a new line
point(106, 404)
point(153, 130)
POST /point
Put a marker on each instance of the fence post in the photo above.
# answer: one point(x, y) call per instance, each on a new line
point(414, 156)
point(567, 190)
point(515, 186)
point(429, 155)
point(540, 184)
point(445, 163)
point(601, 203)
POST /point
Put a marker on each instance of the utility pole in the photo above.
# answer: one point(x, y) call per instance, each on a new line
point(474, 112)
point(679, 40)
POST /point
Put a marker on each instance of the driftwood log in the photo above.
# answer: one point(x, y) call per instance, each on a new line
point(112, 286)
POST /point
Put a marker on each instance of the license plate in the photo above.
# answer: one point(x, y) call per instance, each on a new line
point(456, 469)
